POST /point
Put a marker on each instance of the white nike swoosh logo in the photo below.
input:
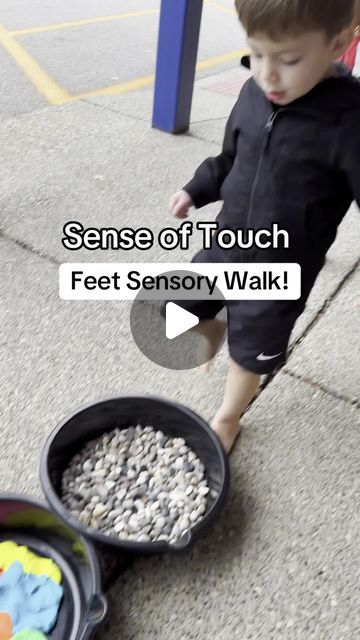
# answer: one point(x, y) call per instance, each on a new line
point(262, 356)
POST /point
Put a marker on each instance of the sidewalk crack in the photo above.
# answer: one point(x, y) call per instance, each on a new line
point(325, 306)
point(89, 101)
point(320, 387)
point(27, 247)
point(269, 378)
point(196, 137)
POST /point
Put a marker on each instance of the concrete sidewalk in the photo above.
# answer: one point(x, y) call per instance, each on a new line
point(281, 562)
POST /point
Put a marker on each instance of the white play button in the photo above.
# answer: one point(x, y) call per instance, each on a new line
point(161, 327)
point(178, 320)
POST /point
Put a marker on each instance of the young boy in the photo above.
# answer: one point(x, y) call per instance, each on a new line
point(291, 155)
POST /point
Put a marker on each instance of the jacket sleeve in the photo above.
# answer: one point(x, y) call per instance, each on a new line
point(206, 184)
point(350, 153)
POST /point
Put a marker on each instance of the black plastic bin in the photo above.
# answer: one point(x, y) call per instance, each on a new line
point(28, 522)
point(94, 420)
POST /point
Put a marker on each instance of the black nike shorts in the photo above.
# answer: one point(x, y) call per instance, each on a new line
point(258, 330)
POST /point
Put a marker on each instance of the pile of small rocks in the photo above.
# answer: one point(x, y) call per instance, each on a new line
point(137, 484)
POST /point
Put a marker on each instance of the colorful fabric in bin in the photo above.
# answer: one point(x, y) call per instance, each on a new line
point(29, 634)
point(11, 552)
point(31, 601)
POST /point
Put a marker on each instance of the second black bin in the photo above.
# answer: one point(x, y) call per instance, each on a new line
point(28, 522)
point(94, 420)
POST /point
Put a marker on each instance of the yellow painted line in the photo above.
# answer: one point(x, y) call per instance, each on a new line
point(226, 57)
point(148, 81)
point(218, 5)
point(53, 93)
point(123, 87)
point(80, 23)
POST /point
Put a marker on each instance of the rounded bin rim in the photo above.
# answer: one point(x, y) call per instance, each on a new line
point(41, 504)
point(123, 545)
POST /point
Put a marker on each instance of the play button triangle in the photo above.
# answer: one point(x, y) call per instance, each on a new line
point(178, 320)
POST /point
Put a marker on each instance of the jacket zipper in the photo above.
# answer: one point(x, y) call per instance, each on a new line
point(267, 129)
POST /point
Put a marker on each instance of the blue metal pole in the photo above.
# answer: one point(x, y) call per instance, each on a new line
point(176, 60)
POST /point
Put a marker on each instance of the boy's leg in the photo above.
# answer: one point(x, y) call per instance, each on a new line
point(240, 388)
point(256, 349)
point(213, 332)
point(211, 328)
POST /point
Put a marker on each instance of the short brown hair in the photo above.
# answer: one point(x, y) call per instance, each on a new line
point(277, 17)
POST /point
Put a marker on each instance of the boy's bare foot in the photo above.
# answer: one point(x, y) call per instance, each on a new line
point(213, 332)
point(227, 430)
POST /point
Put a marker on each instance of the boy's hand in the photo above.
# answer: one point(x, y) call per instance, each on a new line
point(180, 204)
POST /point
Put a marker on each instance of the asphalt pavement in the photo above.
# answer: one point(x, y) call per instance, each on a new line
point(55, 52)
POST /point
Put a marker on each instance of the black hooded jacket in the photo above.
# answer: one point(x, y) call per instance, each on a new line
point(296, 165)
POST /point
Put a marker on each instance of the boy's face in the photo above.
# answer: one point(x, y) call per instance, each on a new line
point(290, 67)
